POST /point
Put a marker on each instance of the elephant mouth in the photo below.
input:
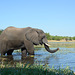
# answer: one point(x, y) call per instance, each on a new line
point(48, 49)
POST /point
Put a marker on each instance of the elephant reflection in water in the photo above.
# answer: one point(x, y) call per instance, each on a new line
point(13, 38)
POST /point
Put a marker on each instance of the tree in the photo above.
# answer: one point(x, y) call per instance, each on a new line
point(74, 38)
point(48, 36)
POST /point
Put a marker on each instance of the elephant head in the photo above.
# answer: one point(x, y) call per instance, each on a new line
point(37, 36)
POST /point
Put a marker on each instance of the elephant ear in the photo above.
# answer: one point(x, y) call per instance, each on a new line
point(32, 36)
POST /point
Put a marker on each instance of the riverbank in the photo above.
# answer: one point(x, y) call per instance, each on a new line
point(60, 41)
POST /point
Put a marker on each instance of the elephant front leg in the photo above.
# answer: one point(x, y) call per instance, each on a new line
point(29, 47)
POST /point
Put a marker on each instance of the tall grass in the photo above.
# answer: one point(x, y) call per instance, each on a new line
point(21, 69)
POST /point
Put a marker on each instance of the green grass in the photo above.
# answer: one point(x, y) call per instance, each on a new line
point(66, 45)
point(21, 69)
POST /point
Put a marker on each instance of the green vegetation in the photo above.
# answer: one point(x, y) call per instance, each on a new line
point(21, 69)
point(50, 37)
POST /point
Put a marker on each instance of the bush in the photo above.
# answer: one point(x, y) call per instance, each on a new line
point(50, 37)
point(74, 38)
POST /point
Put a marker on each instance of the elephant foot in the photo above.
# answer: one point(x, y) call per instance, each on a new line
point(31, 56)
point(31, 53)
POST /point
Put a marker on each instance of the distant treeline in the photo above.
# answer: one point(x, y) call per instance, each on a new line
point(50, 37)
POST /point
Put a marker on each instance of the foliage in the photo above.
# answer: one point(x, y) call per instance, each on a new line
point(74, 38)
point(50, 37)
point(56, 38)
point(34, 70)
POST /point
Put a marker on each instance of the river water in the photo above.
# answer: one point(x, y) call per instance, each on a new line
point(62, 58)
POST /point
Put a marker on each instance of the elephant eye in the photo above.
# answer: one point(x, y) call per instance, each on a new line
point(43, 37)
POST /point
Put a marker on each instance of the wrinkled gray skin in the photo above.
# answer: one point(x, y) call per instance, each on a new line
point(22, 38)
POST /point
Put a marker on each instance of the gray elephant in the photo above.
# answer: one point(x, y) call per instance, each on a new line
point(13, 38)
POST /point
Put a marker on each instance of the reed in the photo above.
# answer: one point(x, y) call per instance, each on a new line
point(21, 69)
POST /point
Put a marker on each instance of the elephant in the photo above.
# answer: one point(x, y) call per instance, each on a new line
point(13, 38)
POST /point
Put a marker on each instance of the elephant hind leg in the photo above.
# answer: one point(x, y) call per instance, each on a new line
point(9, 52)
point(3, 53)
point(24, 52)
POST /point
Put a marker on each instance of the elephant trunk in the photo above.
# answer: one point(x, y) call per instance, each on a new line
point(45, 42)
point(51, 51)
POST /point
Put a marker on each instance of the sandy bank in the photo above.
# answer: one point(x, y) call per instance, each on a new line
point(60, 41)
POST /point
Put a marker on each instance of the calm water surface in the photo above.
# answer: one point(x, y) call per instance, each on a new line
point(64, 57)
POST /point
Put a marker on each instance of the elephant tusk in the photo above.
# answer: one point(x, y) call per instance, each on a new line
point(47, 44)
